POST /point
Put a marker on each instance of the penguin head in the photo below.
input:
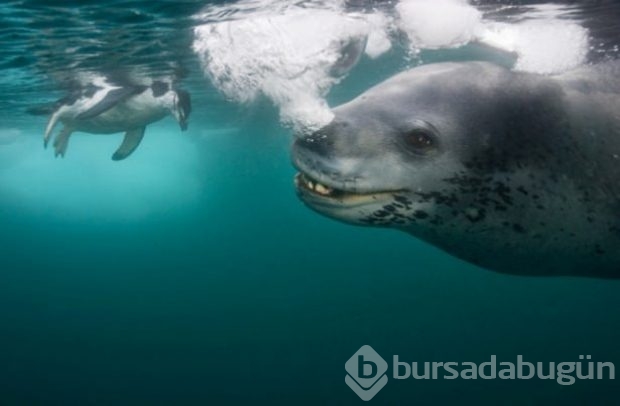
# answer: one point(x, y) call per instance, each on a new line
point(182, 106)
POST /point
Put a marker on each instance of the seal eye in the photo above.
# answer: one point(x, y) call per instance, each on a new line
point(420, 140)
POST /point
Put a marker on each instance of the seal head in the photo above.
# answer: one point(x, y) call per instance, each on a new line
point(513, 172)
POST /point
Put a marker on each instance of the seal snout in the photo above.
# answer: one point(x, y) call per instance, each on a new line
point(318, 175)
point(329, 175)
point(320, 142)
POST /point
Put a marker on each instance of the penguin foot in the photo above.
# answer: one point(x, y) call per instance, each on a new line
point(62, 142)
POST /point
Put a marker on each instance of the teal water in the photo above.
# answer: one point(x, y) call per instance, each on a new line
point(190, 274)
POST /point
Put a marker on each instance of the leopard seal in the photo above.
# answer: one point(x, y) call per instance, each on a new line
point(514, 172)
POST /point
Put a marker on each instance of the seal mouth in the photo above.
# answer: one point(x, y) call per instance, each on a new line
point(309, 188)
point(305, 182)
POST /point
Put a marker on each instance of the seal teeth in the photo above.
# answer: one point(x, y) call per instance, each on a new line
point(324, 190)
point(313, 185)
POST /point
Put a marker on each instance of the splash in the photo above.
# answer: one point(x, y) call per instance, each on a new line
point(293, 53)
point(544, 39)
point(290, 53)
point(433, 24)
point(544, 42)
point(379, 41)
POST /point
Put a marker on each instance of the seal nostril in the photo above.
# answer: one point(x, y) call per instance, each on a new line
point(328, 140)
point(315, 145)
point(319, 142)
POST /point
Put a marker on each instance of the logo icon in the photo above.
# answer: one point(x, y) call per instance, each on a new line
point(366, 373)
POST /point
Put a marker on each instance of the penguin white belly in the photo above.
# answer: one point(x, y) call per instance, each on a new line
point(134, 113)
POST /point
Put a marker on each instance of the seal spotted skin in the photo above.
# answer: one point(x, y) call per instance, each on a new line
point(515, 172)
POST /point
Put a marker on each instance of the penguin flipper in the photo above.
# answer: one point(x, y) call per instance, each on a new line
point(111, 99)
point(130, 143)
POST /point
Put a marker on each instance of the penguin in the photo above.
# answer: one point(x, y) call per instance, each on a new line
point(104, 108)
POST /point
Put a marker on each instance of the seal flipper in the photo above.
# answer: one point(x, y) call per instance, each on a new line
point(130, 143)
point(62, 141)
point(110, 100)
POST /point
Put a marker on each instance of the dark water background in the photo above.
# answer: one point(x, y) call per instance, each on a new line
point(191, 274)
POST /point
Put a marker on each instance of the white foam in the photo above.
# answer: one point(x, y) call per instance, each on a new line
point(433, 24)
point(543, 46)
point(379, 41)
point(544, 39)
point(292, 53)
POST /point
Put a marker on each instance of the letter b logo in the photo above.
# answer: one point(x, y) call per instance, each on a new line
point(366, 372)
point(362, 371)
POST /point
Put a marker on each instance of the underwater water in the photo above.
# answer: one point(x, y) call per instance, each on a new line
point(190, 273)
